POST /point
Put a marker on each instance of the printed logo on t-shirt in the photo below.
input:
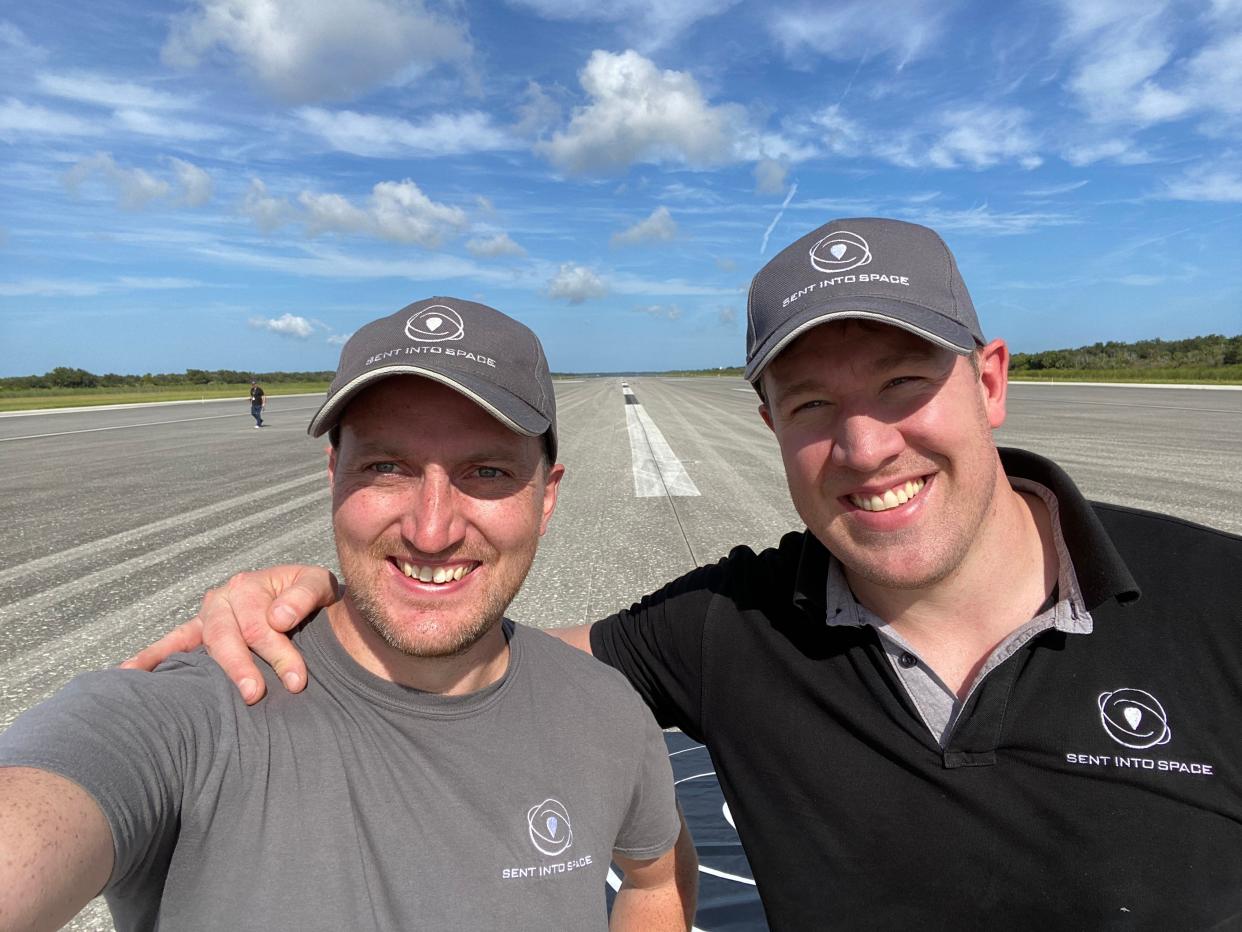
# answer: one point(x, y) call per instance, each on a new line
point(551, 834)
point(549, 827)
point(1135, 719)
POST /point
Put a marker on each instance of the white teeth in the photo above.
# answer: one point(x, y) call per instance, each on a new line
point(437, 574)
point(892, 498)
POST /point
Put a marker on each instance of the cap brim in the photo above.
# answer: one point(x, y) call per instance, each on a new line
point(919, 320)
point(501, 404)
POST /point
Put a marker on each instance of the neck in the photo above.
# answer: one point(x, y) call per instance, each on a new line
point(1007, 574)
point(474, 668)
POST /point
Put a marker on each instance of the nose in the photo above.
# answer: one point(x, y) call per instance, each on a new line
point(864, 443)
point(433, 521)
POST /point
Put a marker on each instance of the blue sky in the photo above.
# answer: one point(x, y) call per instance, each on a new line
point(242, 183)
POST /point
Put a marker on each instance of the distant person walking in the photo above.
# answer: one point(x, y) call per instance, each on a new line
point(258, 401)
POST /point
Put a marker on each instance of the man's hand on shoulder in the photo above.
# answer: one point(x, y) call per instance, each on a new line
point(253, 611)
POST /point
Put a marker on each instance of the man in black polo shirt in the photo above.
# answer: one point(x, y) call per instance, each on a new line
point(944, 704)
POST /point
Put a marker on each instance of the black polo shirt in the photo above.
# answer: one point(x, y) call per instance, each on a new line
point(1091, 781)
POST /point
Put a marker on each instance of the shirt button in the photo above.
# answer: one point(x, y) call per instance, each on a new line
point(907, 659)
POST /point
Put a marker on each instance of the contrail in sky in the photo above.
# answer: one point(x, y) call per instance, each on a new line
point(793, 189)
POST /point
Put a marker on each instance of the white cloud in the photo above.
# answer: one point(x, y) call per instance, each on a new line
point(851, 29)
point(667, 311)
point(441, 134)
point(726, 316)
point(983, 220)
point(135, 188)
point(983, 136)
point(575, 284)
point(1206, 185)
point(307, 50)
point(267, 213)
point(494, 246)
point(289, 325)
point(660, 225)
point(770, 176)
point(90, 88)
point(161, 126)
point(1055, 189)
point(639, 113)
point(194, 182)
point(1122, 151)
point(537, 113)
point(19, 119)
point(1127, 68)
point(49, 288)
point(397, 211)
point(339, 339)
point(647, 24)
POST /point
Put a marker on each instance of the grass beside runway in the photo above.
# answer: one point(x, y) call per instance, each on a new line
point(40, 398)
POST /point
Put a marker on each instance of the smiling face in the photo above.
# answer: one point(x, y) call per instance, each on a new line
point(887, 445)
point(437, 509)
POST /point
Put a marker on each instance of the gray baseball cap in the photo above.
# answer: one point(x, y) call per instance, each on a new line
point(888, 271)
point(488, 356)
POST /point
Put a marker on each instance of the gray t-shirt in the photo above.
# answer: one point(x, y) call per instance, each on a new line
point(362, 804)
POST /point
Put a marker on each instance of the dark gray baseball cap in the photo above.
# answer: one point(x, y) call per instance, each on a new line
point(488, 356)
point(888, 271)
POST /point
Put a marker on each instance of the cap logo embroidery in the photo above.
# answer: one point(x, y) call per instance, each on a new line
point(840, 251)
point(435, 324)
point(1134, 718)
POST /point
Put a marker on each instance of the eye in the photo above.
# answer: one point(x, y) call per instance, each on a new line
point(384, 469)
point(490, 472)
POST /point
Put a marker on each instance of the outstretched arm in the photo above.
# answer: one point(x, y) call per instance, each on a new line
point(658, 894)
point(55, 849)
point(252, 611)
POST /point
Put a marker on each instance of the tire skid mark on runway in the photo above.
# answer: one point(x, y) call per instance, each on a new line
point(657, 470)
point(134, 535)
point(75, 586)
point(40, 671)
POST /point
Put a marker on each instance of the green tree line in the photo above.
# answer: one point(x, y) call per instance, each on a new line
point(1208, 351)
point(66, 377)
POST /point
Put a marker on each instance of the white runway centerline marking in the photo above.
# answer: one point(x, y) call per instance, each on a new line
point(657, 470)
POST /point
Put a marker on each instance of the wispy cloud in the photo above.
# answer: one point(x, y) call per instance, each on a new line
point(492, 247)
point(441, 134)
point(135, 188)
point(18, 120)
point(93, 88)
point(1206, 185)
point(660, 225)
point(647, 24)
point(844, 30)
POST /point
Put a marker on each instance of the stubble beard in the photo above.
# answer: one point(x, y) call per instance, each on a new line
point(385, 622)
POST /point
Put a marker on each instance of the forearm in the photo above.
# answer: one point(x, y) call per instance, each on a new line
point(55, 849)
point(648, 910)
point(660, 894)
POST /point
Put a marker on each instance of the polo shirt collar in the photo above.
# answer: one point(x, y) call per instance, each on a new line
point(1102, 574)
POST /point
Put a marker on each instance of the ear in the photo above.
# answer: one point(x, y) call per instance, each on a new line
point(767, 416)
point(994, 380)
point(551, 487)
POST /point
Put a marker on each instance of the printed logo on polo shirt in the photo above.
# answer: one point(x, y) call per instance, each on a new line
point(840, 252)
point(1134, 718)
point(549, 827)
point(435, 324)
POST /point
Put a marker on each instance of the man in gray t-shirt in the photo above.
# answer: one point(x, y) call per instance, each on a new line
point(449, 770)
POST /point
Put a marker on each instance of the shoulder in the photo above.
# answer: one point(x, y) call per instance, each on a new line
point(1136, 531)
point(559, 667)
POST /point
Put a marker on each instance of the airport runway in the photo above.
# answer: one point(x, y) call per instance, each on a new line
point(118, 520)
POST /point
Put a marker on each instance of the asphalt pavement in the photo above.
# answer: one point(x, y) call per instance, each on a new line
point(118, 520)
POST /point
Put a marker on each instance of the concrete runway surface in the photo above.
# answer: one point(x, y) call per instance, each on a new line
point(118, 520)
